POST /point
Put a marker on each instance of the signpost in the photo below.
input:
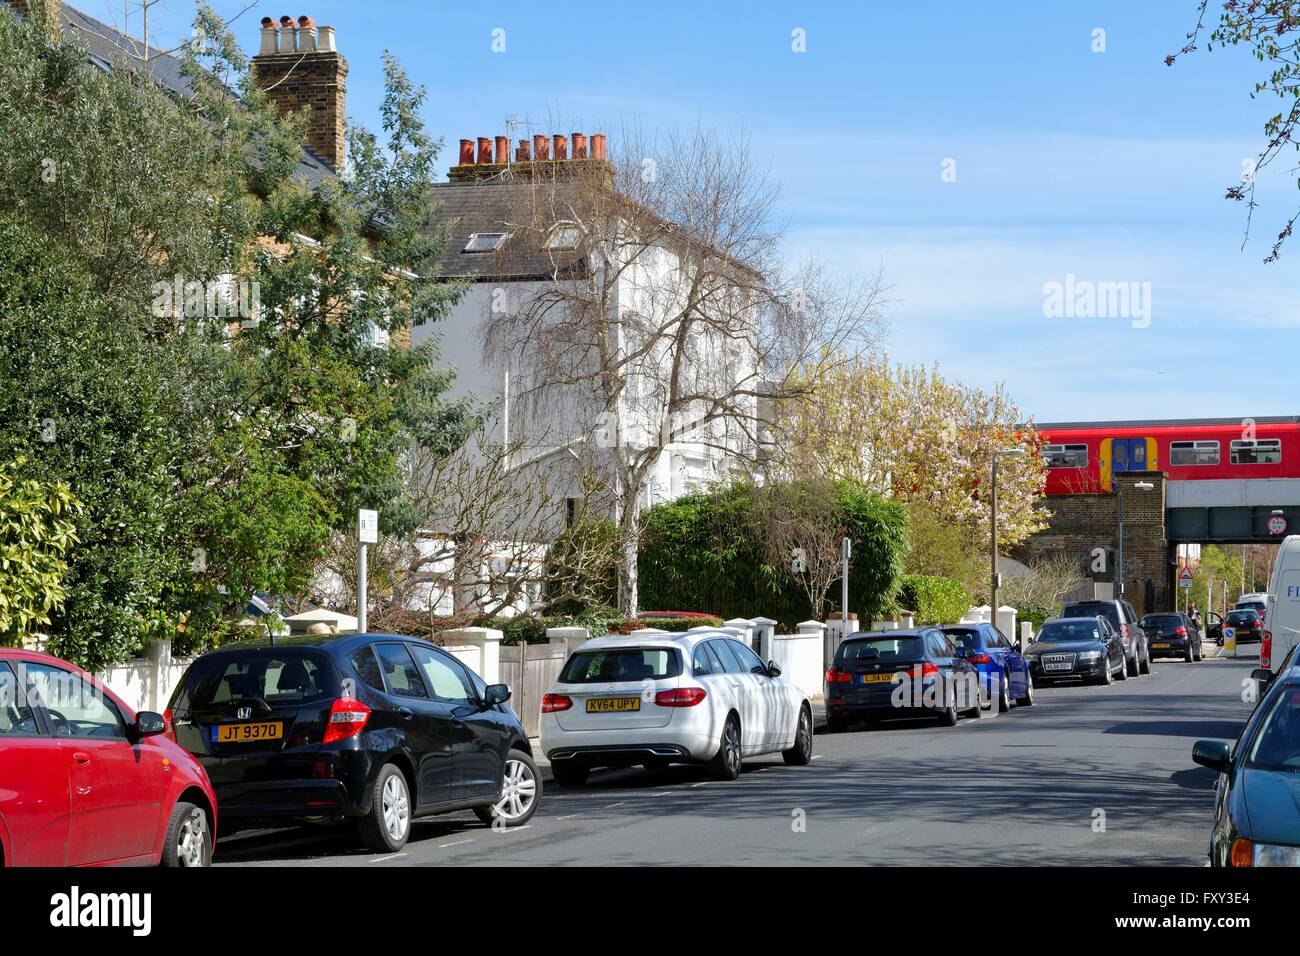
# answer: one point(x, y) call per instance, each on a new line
point(1185, 582)
point(367, 534)
point(1277, 525)
point(846, 553)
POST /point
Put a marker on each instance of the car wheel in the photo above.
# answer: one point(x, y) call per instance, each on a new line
point(386, 828)
point(189, 841)
point(1028, 699)
point(1004, 696)
point(725, 764)
point(568, 775)
point(1123, 673)
point(1145, 665)
point(801, 753)
point(1133, 667)
point(1107, 676)
point(948, 717)
point(1190, 656)
point(521, 792)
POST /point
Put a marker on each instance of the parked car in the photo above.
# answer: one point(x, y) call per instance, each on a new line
point(904, 673)
point(87, 781)
point(1245, 624)
point(1282, 611)
point(379, 728)
point(1123, 619)
point(1256, 815)
point(1077, 647)
point(1003, 670)
point(1172, 634)
point(700, 697)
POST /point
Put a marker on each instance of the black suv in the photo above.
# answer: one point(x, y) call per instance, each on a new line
point(1122, 617)
point(377, 727)
point(1172, 634)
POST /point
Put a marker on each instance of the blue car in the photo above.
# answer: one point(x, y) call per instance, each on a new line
point(904, 673)
point(1004, 672)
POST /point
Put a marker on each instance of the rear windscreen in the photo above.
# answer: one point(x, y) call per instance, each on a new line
point(279, 677)
point(1092, 610)
point(966, 640)
point(882, 649)
point(1161, 620)
point(1238, 618)
point(622, 664)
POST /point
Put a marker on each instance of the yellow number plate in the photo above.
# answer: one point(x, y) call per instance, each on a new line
point(877, 678)
point(247, 733)
point(612, 705)
point(1160, 647)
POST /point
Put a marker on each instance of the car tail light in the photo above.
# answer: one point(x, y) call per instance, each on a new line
point(347, 718)
point(1180, 631)
point(553, 702)
point(837, 677)
point(169, 728)
point(1243, 853)
point(680, 697)
point(980, 659)
point(1266, 650)
point(1123, 632)
point(929, 670)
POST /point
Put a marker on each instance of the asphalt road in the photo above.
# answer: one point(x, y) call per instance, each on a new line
point(1089, 775)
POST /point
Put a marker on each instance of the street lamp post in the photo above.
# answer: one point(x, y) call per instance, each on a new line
point(995, 578)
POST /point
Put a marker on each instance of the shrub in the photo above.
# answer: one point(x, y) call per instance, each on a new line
point(675, 624)
point(1036, 614)
point(707, 551)
point(935, 600)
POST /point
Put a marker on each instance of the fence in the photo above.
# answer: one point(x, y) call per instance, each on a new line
point(530, 670)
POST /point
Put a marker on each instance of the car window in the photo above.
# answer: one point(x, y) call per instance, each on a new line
point(74, 706)
point(703, 663)
point(621, 665)
point(367, 668)
point(730, 662)
point(400, 674)
point(881, 648)
point(1055, 631)
point(16, 717)
point(281, 677)
point(966, 639)
point(443, 676)
point(749, 661)
point(1277, 742)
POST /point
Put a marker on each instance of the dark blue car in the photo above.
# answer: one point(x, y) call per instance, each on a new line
point(1004, 673)
point(905, 673)
point(1256, 811)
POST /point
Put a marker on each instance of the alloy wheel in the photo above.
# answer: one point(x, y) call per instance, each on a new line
point(731, 741)
point(192, 839)
point(518, 791)
point(397, 808)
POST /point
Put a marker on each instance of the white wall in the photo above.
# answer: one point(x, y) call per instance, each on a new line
point(800, 658)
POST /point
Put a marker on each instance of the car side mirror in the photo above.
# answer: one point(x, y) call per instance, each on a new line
point(1262, 675)
point(773, 669)
point(495, 694)
point(1016, 647)
point(1213, 754)
point(148, 724)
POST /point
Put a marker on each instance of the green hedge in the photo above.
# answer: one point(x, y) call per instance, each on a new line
point(674, 624)
point(934, 599)
point(1036, 614)
point(705, 552)
point(531, 629)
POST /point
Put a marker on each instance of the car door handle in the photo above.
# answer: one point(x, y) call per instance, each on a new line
point(406, 713)
point(80, 756)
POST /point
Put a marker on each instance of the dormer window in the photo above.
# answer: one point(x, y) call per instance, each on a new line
point(564, 235)
point(485, 241)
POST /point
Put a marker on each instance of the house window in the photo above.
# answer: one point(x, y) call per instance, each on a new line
point(1065, 456)
point(564, 235)
point(1193, 453)
point(485, 241)
point(1263, 451)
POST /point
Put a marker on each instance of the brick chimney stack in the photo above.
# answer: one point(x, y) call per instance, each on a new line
point(52, 11)
point(300, 69)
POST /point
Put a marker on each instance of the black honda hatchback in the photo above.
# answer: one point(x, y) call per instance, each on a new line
point(377, 727)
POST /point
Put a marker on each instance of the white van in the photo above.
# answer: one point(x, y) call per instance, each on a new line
point(1282, 611)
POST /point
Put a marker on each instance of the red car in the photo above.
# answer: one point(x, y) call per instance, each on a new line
point(85, 781)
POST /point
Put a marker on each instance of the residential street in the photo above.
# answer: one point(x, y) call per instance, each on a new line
point(1017, 789)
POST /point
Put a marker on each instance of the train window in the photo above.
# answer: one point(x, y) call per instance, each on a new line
point(1262, 451)
point(1193, 453)
point(1065, 456)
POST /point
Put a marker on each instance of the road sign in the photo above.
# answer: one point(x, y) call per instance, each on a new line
point(368, 526)
point(1185, 578)
point(1277, 525)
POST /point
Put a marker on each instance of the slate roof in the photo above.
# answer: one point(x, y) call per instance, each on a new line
point(495, 206)
point(107, 48)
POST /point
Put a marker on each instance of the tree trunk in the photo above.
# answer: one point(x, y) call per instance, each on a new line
point(629, 533)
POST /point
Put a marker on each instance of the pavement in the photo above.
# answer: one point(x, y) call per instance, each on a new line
point(1089, 775)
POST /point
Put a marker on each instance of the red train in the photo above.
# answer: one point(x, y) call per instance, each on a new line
point(1082, 456)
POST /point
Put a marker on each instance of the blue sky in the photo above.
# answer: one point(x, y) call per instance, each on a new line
point(1108, 166)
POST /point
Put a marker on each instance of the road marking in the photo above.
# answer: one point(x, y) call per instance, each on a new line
point(569, 816)
point(817, 756)
point(443, 846)
point(385, 859)
point(621, 803)
point(702, 783)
